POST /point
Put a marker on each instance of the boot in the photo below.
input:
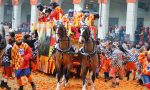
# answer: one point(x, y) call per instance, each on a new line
point(117, 83)
point(33, 86)
point(128, 75)
point(2, 84)
point(20, 88)
point(97, 75)
point(6, 86)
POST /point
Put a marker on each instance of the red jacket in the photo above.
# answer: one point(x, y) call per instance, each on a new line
point(57, 13)
point(21, 52)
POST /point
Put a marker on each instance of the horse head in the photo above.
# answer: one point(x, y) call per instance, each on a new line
point(85, 32)
point(59, 29)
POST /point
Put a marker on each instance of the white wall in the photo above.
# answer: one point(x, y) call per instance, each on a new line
point(146, 16)
point(119, 10)
point(26, 10)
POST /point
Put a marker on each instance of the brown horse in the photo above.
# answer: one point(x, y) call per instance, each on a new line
point(63, 57)
point(88, 55)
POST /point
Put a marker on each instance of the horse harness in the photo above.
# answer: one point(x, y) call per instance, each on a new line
point(83, 51)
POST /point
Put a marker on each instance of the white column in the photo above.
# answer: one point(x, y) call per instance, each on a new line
point(34, 15)
point(104, 19)
point(131, 21)
point(1, 14)
point(16, 20)
point(79, 6)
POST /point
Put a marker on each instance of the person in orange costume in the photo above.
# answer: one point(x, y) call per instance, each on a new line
point(57, 11)
point(131, 64)
point(105, 64)
point(145, 63)
point(90, 20)
point(21, 54)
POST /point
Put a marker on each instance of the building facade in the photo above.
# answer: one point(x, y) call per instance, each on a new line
point(127, 13)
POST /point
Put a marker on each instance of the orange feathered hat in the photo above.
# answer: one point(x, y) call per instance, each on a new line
point(19, 37)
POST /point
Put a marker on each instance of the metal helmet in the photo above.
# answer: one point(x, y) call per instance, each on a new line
point(70, 12)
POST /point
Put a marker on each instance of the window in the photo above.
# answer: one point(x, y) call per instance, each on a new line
point(113, 21)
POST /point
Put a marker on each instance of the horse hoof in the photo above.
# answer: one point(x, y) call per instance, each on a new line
point(93, 86)
point(58, 86)
point(63, 84)
point(84, 87)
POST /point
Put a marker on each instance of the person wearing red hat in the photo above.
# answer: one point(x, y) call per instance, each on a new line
point(21, 54)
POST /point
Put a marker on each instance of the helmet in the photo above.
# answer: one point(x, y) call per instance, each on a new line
point(85, 11)
point(40, 7)
point(48, 10)
point(70, 12)
point(54, 5)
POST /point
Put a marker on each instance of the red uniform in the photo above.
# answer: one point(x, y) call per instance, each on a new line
point(57, 13)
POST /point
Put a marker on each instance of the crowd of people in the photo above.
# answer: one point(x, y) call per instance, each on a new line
point(24, 27)
point(142, 35)
point(120, 60)
point(116, 34)
point(118, 57)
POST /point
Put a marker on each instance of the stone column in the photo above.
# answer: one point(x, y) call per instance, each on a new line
point(16, 19)
point(78, 4)
point(103, 18)
point(1, 13)
point(34, 12)
point(131, 21)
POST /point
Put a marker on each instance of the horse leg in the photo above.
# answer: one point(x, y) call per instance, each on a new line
point(67, 75)
point(58, 76)
point(64, 78)
point(84, 72)
point(93, 74)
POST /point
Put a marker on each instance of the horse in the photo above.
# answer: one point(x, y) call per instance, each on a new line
point(88, 55)
point(63, 57)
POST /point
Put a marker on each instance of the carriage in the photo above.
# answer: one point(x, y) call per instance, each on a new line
point(46, 63)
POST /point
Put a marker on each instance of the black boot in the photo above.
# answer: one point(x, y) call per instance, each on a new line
point(97, 75)
point(6, 86)
point(128, 75)
point(33, 86)
point(2, 84)
point(20, 88)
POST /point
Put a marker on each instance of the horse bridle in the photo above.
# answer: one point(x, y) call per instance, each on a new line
point(87, 38)
point(63, 30)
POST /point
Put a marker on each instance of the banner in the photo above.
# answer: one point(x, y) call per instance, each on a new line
point(33, 2)
point(76, 1)
point(15, 2)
